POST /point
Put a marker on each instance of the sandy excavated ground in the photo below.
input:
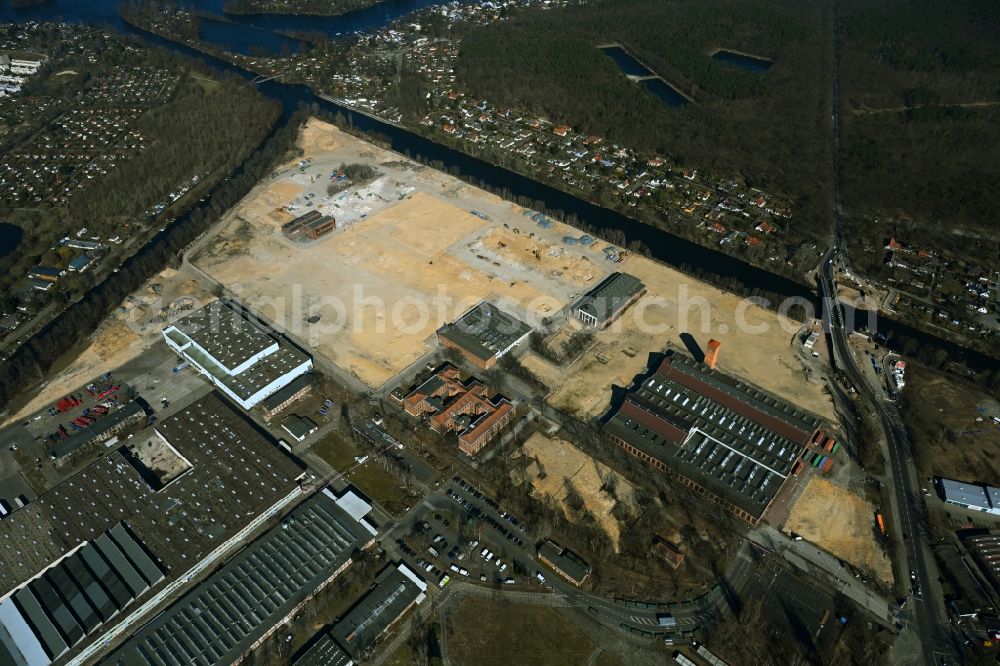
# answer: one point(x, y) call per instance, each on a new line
point(383, 284)
point(760, 350)
point(840, 521)
point(132, 329)
point(563, 465)
point(410, 235)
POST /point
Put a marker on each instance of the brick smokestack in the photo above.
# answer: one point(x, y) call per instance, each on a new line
point(712, 355)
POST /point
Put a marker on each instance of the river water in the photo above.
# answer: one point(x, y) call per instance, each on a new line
point(665, 247)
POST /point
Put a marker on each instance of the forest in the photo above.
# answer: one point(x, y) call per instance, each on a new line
point(919, 98)
point(921, 116)
point(768, 129)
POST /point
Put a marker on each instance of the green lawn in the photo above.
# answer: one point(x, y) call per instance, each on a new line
point(337, 450)
point(402, 657)
point(371, 478)
point(381, 486)
point(487, 632)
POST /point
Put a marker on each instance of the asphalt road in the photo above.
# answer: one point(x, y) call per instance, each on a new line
point(914, 560)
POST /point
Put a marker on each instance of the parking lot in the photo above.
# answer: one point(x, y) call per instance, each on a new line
point(26, 468)
point(459, 533)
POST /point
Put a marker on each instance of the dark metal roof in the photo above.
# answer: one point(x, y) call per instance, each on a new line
point(98, 429)
point(227, 612)
point(290, 389)
point(484, 331)
point(608, 297)
point(392, 594)
point(568, 562)
point(727, 436)
point(324, 652)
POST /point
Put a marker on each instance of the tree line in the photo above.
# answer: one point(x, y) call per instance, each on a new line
point(68, 331)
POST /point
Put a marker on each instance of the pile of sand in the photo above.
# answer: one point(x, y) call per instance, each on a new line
point(841, 522)
point(557, 465)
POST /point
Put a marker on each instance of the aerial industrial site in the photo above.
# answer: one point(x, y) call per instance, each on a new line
point(332, 337)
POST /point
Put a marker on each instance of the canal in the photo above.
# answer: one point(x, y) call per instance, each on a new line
point(663, 246)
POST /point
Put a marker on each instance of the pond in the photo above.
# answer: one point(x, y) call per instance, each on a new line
point(742, 60)
point(10, 238)
point(626, 62)
point(666, 92)
point(631, 67)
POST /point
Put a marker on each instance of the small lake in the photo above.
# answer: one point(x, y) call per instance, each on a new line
point(742, 60)
point(10, 238)
point(666, 92)
point(630, 66)
point(626, 62)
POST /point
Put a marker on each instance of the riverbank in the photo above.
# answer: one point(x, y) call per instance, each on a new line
point(295, 7)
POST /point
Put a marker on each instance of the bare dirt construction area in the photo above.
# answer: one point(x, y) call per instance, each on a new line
point(557, 466)
point(370, 295)
point(134, 326)
point(840, 521)
point(415, 247)
point(757, 343)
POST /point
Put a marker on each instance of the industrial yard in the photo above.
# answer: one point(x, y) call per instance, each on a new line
point(415, 248)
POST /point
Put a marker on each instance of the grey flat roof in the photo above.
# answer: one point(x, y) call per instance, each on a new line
point(299, 426)
point(290, 389)
point(324, 652)
point(604, 300)
point(224, 333)
point(485, 331)
point(969, 494)
point(393, 593)
point(227, 612)
point(265, 371)
point(236, 473)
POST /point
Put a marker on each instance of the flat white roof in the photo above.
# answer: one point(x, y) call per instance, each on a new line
point(970, 494)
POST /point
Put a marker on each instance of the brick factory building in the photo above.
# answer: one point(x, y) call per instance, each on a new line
point(462, 407)
point(484, 334)
point(726, 439)
point(312, 225)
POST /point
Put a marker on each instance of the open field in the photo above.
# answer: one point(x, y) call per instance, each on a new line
point(414, 248)
point(558, 465)
point(952, 426)
point(484, 632)
point(391, 275)
point(842, 522)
